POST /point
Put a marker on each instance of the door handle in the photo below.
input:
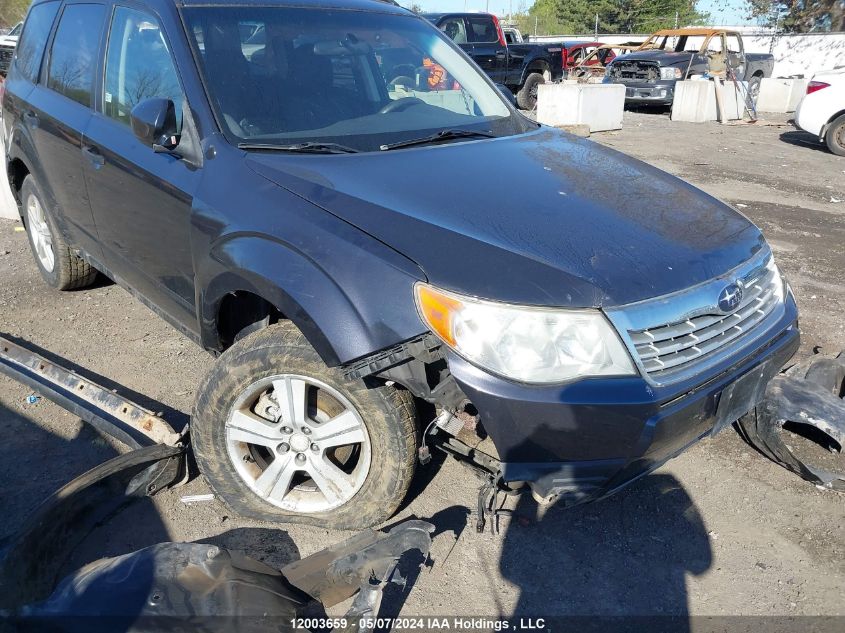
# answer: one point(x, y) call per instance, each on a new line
point(94, 155)
point(30, 118)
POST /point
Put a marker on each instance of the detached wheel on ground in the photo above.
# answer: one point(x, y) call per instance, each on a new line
point(60, 267)
point(835, 136)
point(526, 98)
point(281, 437)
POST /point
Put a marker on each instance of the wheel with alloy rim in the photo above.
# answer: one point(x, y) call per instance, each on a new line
point(60, 266)
point(282, 437)
point(42, 240)
point(835, 136)
point(298, 443)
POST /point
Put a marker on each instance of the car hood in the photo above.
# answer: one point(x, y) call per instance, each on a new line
point(665, 58)
point(542, 218)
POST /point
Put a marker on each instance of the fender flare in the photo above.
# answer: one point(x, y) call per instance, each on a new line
point(294, 284)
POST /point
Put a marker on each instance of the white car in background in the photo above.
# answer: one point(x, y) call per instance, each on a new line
point(8, 43)
point(822, 110)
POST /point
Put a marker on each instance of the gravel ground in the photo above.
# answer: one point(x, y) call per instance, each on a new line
point(717, 531)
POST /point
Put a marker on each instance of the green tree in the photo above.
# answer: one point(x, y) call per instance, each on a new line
point(799, 16)
point(557, 17)
point(12, 12)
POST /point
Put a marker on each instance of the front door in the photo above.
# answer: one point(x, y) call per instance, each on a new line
point(141, 199)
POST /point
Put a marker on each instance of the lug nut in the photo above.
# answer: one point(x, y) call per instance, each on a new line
point(287, 430)
point(315, 448)
point(300, 458)
point(306, 430)
point(283, 447)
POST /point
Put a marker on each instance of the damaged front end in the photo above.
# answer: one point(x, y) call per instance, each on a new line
point(800, 424)
point(200, 587)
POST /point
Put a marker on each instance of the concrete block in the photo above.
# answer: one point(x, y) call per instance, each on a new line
point(781, 95)
point(600, 106)
point(733, 96)
point(695, 101)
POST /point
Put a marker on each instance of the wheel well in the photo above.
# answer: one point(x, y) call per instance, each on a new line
point(826, 126)
point(241, 313)
point(834, 117)
point(537, 67)
point(17, 171)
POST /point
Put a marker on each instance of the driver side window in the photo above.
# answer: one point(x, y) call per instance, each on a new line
point(138, 66)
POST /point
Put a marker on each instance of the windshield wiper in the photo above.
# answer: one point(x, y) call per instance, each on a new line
point(442, 135)
point(305, 148)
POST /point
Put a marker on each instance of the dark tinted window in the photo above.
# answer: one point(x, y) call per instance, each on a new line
point(482, 29)
point(31, 47)
point(73, 57)
point(138, 65)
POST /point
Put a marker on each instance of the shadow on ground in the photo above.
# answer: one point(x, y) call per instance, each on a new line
point(803, 139)
point(629, 555)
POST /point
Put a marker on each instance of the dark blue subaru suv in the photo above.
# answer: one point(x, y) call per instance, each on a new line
point(332, 197)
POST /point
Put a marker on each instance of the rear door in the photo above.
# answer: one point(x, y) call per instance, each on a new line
point(141, 199)
point(487, 49)
point(56, 113)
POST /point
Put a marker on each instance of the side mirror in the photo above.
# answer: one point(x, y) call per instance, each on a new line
point(510, 96)
point(154, 124)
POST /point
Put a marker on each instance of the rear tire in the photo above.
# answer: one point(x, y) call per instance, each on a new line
point(245, 426)
point(754, 88)
point(60, 267)
point(835, 136)
point(526, 98)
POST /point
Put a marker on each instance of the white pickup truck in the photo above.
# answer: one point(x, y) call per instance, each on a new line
point(8, 42)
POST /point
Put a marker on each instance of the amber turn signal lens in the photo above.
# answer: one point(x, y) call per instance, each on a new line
point(437, 310)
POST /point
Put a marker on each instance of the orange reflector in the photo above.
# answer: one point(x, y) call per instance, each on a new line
point(438, 310)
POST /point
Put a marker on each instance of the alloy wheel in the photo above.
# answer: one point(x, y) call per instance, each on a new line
point(298, 443)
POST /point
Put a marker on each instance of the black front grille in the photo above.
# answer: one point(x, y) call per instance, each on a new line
point(635, 71)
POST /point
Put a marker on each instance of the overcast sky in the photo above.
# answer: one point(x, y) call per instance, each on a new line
point(732, 16)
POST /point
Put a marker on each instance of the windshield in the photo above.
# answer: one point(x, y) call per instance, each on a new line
point(288, 75)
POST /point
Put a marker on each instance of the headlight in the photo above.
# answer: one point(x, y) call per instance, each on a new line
point(670, 73)
point(781, 289)
point(528, 344)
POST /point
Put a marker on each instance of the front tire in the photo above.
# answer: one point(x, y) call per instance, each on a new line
point(59, 266)
point(835, 136)
point(281, 437)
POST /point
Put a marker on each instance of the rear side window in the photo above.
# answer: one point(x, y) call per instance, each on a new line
point(456, 31)
point(482, 30)
point(73, 57)
point(31, 46)
point(138, 65)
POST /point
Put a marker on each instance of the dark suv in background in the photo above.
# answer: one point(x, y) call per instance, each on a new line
point(331, 197)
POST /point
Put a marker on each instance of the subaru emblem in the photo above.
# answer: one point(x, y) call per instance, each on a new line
point(730, 298)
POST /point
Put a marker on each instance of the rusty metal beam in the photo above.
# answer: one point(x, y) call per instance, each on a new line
point(106, 410)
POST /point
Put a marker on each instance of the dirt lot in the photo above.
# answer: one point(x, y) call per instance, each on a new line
point(717, 531)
